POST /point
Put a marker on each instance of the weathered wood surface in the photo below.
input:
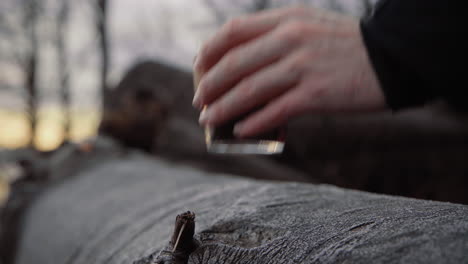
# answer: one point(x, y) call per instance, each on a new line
point(123, 210)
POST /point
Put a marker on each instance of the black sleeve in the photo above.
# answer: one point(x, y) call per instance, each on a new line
point(418, 50)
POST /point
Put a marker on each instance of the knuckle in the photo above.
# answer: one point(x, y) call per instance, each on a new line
point(298, 106)
point(295, 105)
point(298, 65)
point(219, 112)
point(247, 88)
point(294, 32)
point(198, 68)
point(202, 55)
point(319, 93)
point(285, 110)
point(232, 27)
point(230, 62)
point(204, 87)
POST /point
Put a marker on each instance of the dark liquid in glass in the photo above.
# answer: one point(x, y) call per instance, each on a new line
point(223, 140)
point(225, 132)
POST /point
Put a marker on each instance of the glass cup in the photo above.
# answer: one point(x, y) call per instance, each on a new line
point(221, 140)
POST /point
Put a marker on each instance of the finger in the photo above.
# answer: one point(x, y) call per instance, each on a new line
point(232, 34)
point(236, 32)
point(272, 115)
point(240, 30)
point(245, 60)
point(255, 90)
point(196, 76)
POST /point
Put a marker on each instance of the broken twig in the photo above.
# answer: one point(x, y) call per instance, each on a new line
point(182, 242)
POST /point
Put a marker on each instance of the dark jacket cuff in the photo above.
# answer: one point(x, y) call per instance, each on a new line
point(401, 87)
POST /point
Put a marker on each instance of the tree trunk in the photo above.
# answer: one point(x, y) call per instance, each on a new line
point(63, 67)
point(101, 25)
point(31, 9)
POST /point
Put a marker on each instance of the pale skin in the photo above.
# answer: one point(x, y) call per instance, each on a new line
point(288, 62)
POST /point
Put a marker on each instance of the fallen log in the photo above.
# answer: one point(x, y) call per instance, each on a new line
point(122, 210)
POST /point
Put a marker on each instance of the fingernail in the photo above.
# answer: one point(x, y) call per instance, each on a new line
point(237, 130)
point(196, 100)
point(194, 59)
point(204, 116)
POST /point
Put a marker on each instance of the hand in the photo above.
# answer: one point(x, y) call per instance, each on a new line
point(290, 61)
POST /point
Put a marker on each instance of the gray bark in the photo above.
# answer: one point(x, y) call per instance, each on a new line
point(123, 209)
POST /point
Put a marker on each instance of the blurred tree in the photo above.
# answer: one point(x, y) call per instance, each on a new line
point(221, 10)
point(101, 12)
point(219, 15)
point(260, 5)
point(368, 6)
point(30, 14)
point(335, 5)
point(63, 64)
